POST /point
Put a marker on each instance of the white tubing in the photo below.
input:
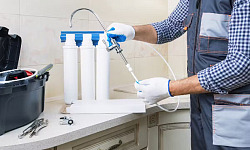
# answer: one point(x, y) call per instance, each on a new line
point(131, 71)
point(178, 99)
point(102, 70)
point(70, 56)
point(87, 68)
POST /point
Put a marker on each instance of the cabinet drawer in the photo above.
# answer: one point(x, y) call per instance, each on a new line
point(178, 116)
point(120, 139)
point(130, 136)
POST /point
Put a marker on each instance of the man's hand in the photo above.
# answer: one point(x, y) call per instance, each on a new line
point(120, 32)
point(153, 90)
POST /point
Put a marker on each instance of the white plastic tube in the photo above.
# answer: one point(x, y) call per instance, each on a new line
point(171, 70)
point(70, 56)
point(102, 70)
point(87, 68)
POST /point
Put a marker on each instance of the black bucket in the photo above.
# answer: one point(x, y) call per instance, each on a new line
point(21, 102)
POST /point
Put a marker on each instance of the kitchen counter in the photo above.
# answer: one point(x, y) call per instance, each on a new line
point(85, 125)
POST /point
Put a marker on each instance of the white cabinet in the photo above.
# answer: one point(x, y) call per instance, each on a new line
point(171, 132)
point(175, 136)
point(130, 136)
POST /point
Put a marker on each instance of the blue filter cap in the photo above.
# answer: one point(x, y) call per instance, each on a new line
point(79, 36)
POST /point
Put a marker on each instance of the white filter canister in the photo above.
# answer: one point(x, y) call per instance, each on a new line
point(87, 68)
point(70, 56)
point(102, 70)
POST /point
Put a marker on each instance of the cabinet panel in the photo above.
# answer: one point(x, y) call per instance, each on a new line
point(130, 136)
point(172, 131)
point(120, 139)
point(178, 116)
point(175, 137)
point(153, 138)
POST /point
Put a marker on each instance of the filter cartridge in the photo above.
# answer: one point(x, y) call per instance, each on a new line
point(87, 68)
point(70, 56)
point(102, 70)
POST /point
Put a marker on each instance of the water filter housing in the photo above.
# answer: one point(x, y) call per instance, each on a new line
point(91, 85)
point(87, 51)
point(70, 57)
point(102, 70)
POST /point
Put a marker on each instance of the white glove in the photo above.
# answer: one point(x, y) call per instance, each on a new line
point(120, 32)
point(153, 90)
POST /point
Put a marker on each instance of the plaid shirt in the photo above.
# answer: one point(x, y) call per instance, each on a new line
point(234, 71)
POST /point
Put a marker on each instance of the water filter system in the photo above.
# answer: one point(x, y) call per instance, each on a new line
point(94, 64)
point(94, 74)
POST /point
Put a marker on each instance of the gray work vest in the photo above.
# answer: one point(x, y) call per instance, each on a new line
point(207, 42)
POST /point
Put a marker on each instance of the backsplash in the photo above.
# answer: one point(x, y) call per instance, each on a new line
point(39, 23)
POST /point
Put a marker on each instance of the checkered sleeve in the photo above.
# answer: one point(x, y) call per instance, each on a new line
point(234, 71)
point(172, 28)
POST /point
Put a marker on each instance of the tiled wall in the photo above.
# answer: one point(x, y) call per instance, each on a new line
point(177, 50)
point(39, 23)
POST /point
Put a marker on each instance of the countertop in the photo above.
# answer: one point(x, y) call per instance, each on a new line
point(85, 125)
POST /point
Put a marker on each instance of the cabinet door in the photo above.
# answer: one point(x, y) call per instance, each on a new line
point(169, 131)
point(130, 136)
point(175, 136)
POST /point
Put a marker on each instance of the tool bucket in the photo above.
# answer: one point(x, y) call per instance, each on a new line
point(21, 100)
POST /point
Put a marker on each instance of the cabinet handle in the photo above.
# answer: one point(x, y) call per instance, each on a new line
point(116, 145)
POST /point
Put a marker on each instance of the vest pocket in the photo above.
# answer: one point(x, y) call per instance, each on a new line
point(213, 36)
point(231, 120)
point(212, 45)
point(215, 25)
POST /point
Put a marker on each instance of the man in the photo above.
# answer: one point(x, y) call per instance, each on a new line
point(218, 62)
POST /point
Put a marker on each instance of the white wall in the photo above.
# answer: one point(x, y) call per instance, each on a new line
point(39, 23)
point(177, 50)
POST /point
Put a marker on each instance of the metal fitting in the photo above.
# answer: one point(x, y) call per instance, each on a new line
point(66, 121)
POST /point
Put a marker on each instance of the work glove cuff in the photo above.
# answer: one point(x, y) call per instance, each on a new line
point(131, 33)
